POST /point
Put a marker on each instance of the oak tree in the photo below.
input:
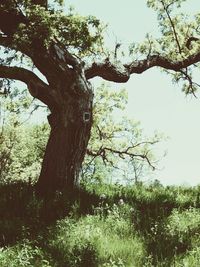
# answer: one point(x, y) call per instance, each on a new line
point(67, 49)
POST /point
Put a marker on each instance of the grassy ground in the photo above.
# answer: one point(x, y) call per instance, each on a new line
point(100, 225)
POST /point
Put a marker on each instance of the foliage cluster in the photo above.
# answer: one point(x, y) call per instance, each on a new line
point(21, 146)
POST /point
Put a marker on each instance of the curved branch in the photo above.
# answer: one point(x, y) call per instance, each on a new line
point(108, 71)
point(160, 61)
point(37, 88)
point(21, 74)
point(121, 73)
point(190, 40)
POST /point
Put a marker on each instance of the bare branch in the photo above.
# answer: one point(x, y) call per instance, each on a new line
point(121, 153)
point(145, 143)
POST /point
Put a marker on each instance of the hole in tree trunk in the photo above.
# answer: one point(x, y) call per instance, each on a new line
point(86, 116)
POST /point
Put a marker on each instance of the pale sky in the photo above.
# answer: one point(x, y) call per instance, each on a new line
point(153, 100)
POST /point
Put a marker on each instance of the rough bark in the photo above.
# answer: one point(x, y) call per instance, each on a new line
point(70, 132)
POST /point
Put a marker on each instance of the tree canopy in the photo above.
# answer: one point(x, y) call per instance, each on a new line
point(175, 50)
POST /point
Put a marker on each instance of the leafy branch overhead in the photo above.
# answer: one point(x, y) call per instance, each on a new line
point(37, 27)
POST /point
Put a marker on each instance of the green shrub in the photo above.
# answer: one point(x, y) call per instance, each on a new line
point(190, 259)
point(97, 241)
point(23, 254)
point(184, 227)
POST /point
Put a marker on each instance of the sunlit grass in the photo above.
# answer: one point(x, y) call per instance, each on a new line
point(108, 241)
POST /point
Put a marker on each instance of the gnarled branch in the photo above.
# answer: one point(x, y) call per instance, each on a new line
point(121, 73)
point(108, 71)
point(37, 88)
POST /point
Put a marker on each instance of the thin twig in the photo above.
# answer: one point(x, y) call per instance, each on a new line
point(173, 26)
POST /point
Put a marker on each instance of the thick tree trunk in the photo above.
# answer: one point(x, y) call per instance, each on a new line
point(66, 147)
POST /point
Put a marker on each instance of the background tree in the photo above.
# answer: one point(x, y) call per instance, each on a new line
point(118, 149)
point(22, 145)
point(10, 112)
point(68, 50)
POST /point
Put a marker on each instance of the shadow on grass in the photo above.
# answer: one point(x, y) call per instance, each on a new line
point(24, 215)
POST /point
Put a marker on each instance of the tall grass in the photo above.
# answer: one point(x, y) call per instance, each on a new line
point(103, 226)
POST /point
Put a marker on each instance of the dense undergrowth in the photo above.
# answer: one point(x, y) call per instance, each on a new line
point(100, 225)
